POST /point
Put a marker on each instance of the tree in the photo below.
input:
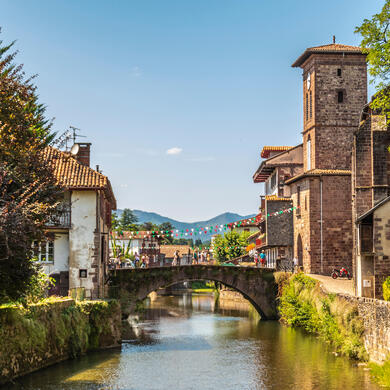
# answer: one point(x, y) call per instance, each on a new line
point(376, 43)
point(230, 246)
point(167, 228)
point(28, 192)
point(114, 222)
point(127, 220)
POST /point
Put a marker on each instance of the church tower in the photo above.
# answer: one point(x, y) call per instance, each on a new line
point(334, 93)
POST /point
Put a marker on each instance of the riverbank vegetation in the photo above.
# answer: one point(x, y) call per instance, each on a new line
point(38, 334)
point(302, 303)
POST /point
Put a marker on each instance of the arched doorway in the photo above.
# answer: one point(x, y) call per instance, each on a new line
point(299, 251)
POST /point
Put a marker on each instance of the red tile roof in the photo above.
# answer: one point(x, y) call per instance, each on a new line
point(277, 198)
point(169, 250)
point(333, 48)
point(72, 175)
point(265, 152)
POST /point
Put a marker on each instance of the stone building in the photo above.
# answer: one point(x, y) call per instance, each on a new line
point(334, 92)
point(370, 207)
point(78, 252)
point(276, 231)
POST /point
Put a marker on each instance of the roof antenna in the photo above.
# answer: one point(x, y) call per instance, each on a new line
point(334, 39)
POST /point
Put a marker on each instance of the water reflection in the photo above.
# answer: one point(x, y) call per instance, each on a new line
point(187, 342)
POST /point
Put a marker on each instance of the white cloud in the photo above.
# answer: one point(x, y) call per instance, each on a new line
point(174, 150)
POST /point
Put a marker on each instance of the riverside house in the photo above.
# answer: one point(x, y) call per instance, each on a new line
point(370, 204)
point(276, 231)
point(78, 252)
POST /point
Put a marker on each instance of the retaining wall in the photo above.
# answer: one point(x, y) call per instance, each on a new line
point(54, 330)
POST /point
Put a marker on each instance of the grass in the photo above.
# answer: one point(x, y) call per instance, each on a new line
point(381, 373)
point(303, 304)
point(203, 290)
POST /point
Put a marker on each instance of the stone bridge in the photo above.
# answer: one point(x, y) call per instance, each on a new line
point(257, 285)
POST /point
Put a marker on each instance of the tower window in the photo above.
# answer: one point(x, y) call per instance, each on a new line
point(307, 107)
point(340, 96)
point(298, 196)
point(339, 72)
point(311, 106)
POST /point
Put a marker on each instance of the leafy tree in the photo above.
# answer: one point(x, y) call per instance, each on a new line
point(149, 227)
point(166, 227)
point(198, 242)
point(230, 245)
point(127, 220)
point(28, 192)
point(114, 222)
point(376, 43)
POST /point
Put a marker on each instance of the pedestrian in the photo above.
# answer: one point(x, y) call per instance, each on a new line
point(136, 259)
point(175, 255)
point(256, 259)
point(195, 257)
point(295, 264)
point(147, 261)
point(262, 258)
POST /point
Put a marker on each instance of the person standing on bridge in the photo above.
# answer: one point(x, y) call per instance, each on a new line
point(262, 258)
point(175, 258)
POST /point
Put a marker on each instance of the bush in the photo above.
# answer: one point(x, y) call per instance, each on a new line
point(303, 304)
point(386, 289)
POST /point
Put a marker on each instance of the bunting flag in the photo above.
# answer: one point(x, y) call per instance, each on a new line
point(198, 231)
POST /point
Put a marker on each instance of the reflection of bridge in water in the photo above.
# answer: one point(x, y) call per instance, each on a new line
point(257, 285)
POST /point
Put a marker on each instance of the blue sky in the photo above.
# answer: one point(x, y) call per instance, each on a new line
point(177, 97)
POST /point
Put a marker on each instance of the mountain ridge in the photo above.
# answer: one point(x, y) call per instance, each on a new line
point(221, 219)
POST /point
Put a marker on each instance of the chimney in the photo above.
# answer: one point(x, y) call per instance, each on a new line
point(84, 153)
point(334, 39)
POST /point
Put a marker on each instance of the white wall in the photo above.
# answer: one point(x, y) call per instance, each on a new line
point(81, 239)
point(61, 255)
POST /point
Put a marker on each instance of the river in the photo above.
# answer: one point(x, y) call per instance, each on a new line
point(184, 342)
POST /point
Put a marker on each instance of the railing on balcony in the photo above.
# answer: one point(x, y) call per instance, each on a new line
point(60, 218)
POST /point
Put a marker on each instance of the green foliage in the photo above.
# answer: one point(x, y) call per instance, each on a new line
point(230, 246)
point(27, 185)
point(303, 304)
point(381, 373)
point(38, 286)
point(127, 220)
point(386, 289)
point(54, 327)
point(375, 42)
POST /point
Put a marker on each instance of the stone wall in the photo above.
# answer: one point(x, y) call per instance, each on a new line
point(279, 227)
point(54, 330)
point(375, 314)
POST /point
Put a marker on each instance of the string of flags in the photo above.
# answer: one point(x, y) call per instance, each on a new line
point(190, 232)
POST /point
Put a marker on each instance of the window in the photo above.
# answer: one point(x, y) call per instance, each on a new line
point(339, 72)
point(340, 96)
point(307, 107)
point(308, 153)
point(83, 273)
point(298, 195)
point(43, 251)
point(305, 202)
point(311, 105)
point(273, 181)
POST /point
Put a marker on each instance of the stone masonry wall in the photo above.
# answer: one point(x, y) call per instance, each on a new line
point(279, 227)
point(336, 226)
point(51, 331)
point(376, 318)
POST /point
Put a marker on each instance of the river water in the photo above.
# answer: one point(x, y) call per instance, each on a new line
point(185, 342)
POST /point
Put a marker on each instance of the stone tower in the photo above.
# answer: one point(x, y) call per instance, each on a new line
point(334, 94)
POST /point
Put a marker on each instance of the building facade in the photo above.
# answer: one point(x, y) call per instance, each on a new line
point(77, 254)
point(276, 237)
point(370, 207)
point(334, 92)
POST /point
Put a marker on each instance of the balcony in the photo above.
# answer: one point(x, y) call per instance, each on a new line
point(60, 218)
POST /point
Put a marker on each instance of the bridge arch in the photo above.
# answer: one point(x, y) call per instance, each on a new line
point(256, 285)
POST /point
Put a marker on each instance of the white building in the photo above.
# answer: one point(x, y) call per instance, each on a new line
point(78, 252)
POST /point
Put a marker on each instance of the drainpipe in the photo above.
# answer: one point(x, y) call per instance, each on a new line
point(321, 239)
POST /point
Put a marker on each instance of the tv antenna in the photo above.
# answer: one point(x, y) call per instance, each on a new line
point(75, 135)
